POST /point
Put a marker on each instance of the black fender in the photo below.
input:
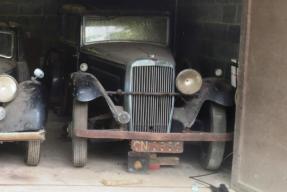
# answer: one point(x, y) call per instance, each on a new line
point(27, 112)
point(213, 89)
point(86, 87)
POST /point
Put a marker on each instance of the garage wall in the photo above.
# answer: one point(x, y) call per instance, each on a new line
point(39, 21)
point(127, 4)
point(209, 34)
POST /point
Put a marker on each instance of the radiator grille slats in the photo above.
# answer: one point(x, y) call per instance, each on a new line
point(152, 113)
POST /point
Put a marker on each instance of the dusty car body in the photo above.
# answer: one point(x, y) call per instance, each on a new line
point(22, 109)
point(123, 78)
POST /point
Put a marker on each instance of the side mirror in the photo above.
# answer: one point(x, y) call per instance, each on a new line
point(39, 73)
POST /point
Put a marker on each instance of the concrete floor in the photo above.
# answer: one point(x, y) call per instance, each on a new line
point(107, 164)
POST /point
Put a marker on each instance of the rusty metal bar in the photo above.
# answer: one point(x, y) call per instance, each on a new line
point(148, 136)
point(22, 136)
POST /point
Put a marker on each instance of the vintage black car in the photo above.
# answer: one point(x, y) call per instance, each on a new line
point(22, 107)
point(117, 69)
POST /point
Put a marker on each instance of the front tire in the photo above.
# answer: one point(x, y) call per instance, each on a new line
point(33, 153)
point(213, 119)
point(80, 122)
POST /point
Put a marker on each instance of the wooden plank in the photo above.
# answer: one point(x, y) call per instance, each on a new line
point(148, 136)
point(22, 136)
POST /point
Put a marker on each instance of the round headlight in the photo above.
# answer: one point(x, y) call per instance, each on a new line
point(188, 81)
point(8, 88)
point(84, 67)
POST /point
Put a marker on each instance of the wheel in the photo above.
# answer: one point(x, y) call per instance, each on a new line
point(213, 119)
point(23, 71)
point(33, 153)
point(80, 121)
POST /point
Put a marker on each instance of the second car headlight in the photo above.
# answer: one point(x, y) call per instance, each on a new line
point(188, 81)
point(8, 88)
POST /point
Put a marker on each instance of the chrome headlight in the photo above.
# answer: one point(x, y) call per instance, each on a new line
point(8, 88)
point(188, 81)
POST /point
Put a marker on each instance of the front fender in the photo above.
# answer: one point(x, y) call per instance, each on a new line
point(213, 89)
point(87, 88)
point(27, 112)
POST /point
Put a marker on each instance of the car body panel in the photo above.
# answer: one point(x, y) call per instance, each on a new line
point(127, 52)
point(27, 112)
point(7, 66)
point(214, 90)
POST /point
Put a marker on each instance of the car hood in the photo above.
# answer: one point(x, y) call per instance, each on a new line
point(125, 53)
point(6, 66)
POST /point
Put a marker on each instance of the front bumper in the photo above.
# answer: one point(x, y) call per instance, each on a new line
point(23, 136)
point(27, 112)
point(150, 142)
point(150, 136)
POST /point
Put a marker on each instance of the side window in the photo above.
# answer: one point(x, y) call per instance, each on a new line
point(71, 28)
point(6, 42)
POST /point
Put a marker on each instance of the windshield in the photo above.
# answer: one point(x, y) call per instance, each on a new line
point(6, 43)
point(152, 29)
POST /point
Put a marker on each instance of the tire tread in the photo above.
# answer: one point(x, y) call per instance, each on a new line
point(80, 146)
point(33, 153)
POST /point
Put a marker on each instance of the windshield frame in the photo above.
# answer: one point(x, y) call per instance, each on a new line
point(84, 18)
point(12, 42)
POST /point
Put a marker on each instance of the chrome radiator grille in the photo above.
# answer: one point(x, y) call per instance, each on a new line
point(151, 113)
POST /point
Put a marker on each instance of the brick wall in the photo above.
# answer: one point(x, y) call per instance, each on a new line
point(39, 21)
point(209, 33)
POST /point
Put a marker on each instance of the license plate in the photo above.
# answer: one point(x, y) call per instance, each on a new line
point(157, 146)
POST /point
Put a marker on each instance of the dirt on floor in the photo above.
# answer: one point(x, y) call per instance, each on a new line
point(106, 169)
